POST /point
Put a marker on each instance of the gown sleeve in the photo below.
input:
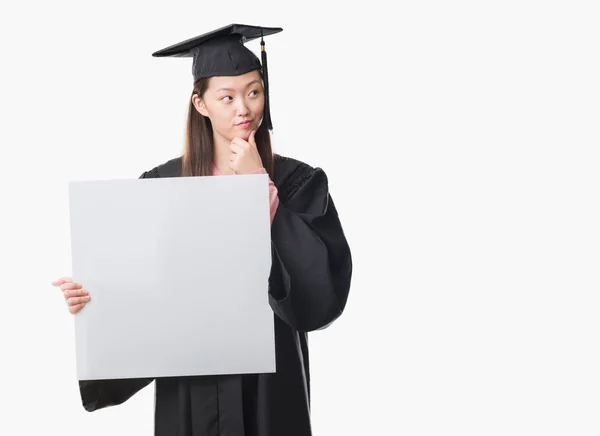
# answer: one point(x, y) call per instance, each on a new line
point(311, 265)
point(98, 394)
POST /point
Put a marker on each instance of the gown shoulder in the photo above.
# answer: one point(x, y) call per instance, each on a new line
point(170, 168)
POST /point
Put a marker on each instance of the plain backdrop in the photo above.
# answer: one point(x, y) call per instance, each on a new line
point(461, 144)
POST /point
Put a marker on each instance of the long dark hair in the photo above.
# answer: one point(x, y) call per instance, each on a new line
point(199, 149)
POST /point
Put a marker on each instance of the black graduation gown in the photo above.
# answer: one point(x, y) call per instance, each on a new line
point(308, 287)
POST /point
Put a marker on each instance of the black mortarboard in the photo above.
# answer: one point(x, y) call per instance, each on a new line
point(222, 53)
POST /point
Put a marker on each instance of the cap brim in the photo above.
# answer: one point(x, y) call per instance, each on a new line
point(184, 48)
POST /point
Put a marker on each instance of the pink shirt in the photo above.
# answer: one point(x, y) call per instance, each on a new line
point(273, 198)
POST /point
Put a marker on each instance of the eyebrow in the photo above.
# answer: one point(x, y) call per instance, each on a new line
point(248, 85)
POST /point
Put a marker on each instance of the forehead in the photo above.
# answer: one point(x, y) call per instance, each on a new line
point(233, 82)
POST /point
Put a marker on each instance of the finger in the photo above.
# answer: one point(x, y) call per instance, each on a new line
point(61, 281)
point(251, 139)
point(241, 142)
point(70, 285)
point(236, 148)
point(76, 308)
point(73, 301)
point(75, 293)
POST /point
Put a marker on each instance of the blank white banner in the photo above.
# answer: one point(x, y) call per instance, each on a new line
point(177, 270)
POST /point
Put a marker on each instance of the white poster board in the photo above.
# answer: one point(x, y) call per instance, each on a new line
point(177, 270)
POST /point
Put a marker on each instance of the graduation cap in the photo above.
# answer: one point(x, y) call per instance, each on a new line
point(222, 53)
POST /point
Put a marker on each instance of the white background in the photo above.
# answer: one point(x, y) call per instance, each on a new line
point(461, 143)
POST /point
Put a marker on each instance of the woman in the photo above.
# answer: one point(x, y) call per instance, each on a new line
point(227, 134)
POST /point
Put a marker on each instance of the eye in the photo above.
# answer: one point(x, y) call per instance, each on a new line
point(225, 97)
point(255, 91)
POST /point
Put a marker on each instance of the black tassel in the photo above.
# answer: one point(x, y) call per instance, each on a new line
point(266, 124)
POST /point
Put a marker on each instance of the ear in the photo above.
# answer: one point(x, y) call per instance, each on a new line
point(199, 105)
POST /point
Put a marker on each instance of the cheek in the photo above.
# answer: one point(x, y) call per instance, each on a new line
point(224, 115)
point(258, 106)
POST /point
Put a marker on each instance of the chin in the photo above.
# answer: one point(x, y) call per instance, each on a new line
point(246, 133)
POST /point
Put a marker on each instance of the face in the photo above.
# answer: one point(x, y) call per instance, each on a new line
point(234, 105)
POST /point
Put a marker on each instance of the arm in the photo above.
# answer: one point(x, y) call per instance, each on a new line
point(273, 197)
point(311, 261)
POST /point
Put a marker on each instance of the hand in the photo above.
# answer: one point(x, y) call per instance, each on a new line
point(74, 295)
point(244, 157)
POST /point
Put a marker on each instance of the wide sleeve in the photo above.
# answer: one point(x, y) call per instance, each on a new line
point(311, 261)
point(98, 394)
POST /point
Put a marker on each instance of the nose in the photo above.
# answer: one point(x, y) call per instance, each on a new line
point(242, 108)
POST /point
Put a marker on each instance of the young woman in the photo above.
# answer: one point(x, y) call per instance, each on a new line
point(228, 134)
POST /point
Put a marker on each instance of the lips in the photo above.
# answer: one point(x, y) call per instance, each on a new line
point(244, 124)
